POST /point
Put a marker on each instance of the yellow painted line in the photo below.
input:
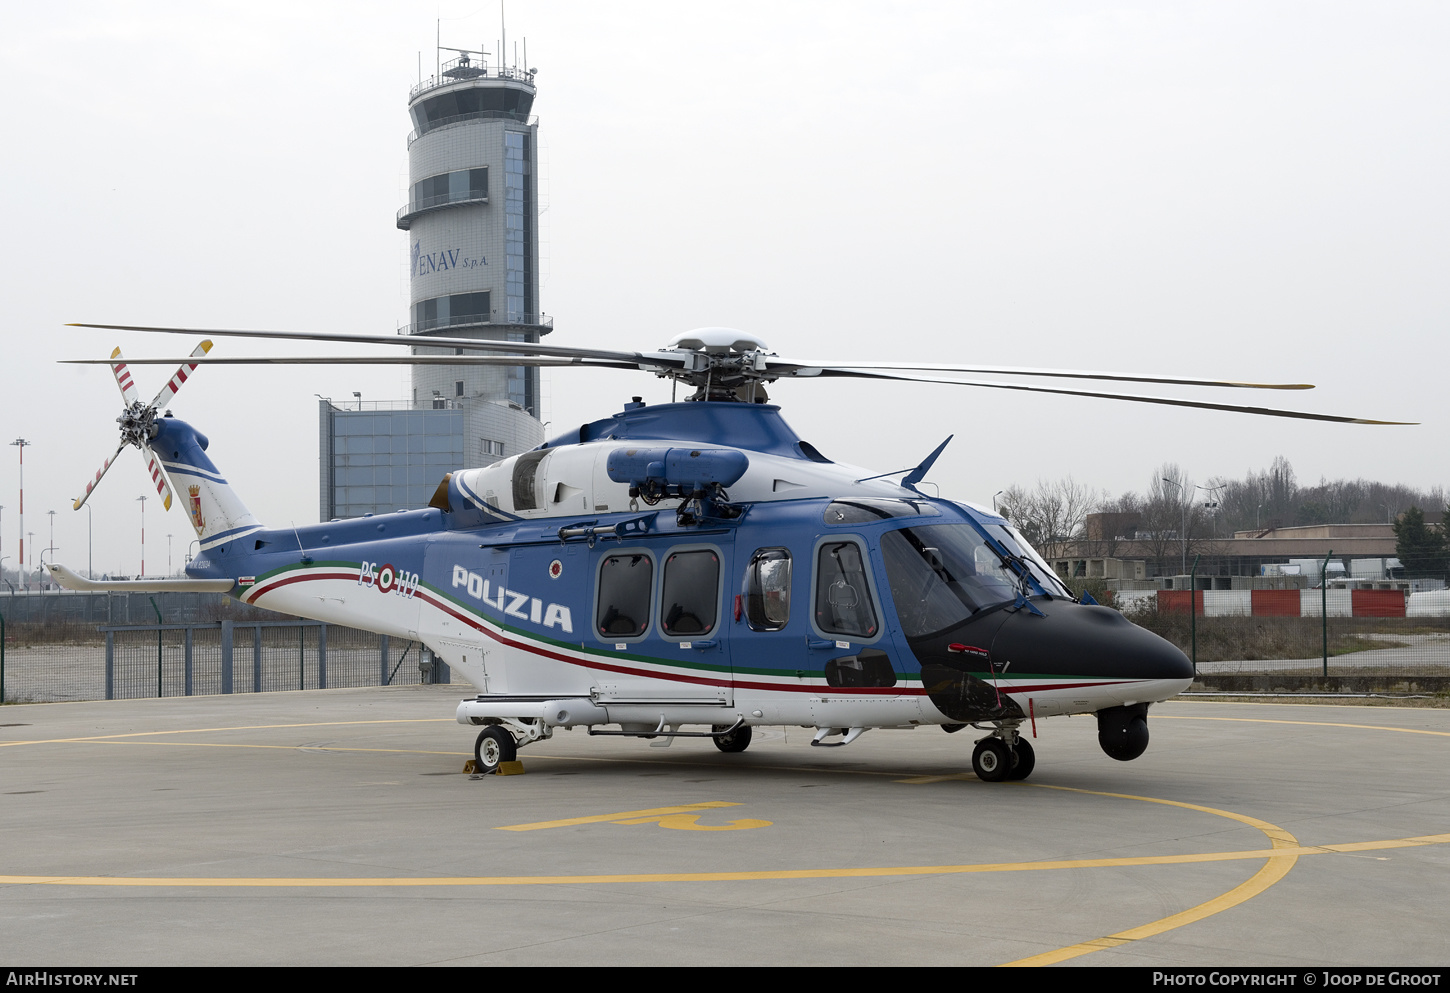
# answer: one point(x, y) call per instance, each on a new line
point(605, 818)
point(283, 748)
point(1321, 724)
point(243, 727)
point(769, 874)
point(1281, 859)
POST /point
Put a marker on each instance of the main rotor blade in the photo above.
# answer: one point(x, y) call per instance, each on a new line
point(420, 340)
point(1134, 398)
point(1123, 377)
point(81, 500)
point(174, 383)
point(484, 360)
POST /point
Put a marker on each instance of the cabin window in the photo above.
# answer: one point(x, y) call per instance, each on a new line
point(767, 590)
point(690, 593)
point(843, 595)
point(625, 583)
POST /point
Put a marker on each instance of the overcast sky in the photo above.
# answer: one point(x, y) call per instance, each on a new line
point(1255, 190)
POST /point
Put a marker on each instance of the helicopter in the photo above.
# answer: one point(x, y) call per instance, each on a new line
point(692, 569)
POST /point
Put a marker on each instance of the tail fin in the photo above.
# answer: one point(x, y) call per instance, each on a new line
point(216, 512)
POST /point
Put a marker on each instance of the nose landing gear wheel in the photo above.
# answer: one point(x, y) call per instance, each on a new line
point(991, 760)
point(736, 741)
point(494, 745)
point(1026, 759)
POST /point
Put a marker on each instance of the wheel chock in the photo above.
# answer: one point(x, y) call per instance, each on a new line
point(510, 769)
point(468, 767)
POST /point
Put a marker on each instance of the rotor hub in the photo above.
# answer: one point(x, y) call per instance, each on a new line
point(720, 363)
point(138, 424)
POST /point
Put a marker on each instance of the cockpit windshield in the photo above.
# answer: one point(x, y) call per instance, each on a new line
point(942, 574)
point(1013, 541)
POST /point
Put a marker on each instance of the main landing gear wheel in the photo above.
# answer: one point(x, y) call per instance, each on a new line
point(991, 760)
point(494, 745)
point(736, 741)
point(1026, 759)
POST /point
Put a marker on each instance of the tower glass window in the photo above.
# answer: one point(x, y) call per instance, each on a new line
point(516, 225)
point(450, 187)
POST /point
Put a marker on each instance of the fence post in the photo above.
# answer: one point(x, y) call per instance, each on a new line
point(226, 656)
point(158, 646)
point(257, 659)
point(1193, 610)
point(188, 660)
point(322, 656)
point(383, 677)
point(1324, 607)
point(110, 665)
point(2, 658)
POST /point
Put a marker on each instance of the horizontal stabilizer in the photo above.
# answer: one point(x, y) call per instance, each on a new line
point(71, 581)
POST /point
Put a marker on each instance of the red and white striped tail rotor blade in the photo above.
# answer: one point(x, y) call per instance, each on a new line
point(81, 500)
point(158, 476)
point(123, 379)
point(174, 383)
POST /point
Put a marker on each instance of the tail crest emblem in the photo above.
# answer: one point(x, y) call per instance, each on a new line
point(197, 521)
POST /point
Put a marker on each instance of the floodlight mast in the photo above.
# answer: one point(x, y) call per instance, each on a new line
point(21, 443)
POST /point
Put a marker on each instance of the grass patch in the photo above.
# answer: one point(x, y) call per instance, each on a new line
point(1262, 639)
point(25, 634)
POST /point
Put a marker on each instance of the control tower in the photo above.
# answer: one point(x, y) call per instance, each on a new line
point(472, 223)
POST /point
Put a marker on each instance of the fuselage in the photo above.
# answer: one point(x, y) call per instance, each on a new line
point(808, 595)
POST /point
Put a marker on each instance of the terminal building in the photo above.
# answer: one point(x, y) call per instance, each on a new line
point(472, 225)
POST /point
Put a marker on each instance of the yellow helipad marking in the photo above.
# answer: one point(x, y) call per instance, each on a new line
point(242, 727)
point(620, 818)
point(1321, 724)
point(283, 748)
point(1281, 859)
point(304, 882)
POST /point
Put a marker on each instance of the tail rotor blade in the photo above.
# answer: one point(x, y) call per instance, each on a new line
point(174, 383)
point(123, 379)
point(81, 500)
point(158, 476)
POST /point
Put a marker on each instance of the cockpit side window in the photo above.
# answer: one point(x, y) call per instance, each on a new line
point(843, 594)
point(767, 590)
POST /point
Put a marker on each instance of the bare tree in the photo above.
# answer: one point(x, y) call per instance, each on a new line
point(1052, 515)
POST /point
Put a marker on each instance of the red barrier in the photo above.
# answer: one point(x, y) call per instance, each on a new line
point(1377, 603)
point(1275, 603)
point(1176, 602)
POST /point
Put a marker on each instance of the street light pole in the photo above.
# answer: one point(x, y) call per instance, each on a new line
point(21, 443)
point(1212, 504)
point(142, 498)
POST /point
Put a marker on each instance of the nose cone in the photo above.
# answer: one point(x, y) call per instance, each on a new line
point(1076, 639)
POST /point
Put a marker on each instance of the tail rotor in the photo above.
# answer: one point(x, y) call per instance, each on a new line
point(138, 422)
